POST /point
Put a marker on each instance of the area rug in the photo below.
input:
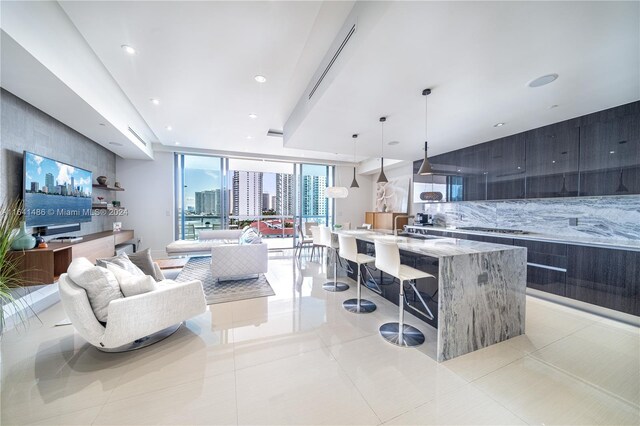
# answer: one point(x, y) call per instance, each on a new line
point(197, 268)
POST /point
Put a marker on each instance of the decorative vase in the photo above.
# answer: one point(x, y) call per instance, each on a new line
point(102, 180)
point(23, 240)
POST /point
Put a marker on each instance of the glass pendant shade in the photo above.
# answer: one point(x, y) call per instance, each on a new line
point(425, 168)
point(354, 182)
point(382, 178)
point(621, 186)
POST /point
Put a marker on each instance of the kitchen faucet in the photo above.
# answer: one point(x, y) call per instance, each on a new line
point(395, 222)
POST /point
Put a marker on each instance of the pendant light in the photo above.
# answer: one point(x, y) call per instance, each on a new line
point(354, 183)
point(425, 168)
point(382, 178)
point(336, 191)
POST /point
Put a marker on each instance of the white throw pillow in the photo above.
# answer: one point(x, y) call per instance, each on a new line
point(123, 261)
point(132, 284)
point(100, 284)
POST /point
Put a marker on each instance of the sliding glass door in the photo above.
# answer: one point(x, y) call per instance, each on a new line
point(201, 200)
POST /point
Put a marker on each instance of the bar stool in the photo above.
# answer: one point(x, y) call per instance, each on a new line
point(327, 241)
point(349, 251)
point(316, 240)
point(388, 260)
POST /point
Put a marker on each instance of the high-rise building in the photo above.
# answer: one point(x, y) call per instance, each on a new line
point(208, 202)
point(284, 204)
point(274, 203)
point(266, 201)
point(49, 182)
point(247, 193)
point(314, 202)
point(34, 186)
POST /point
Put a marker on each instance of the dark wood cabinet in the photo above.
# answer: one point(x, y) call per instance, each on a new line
point(546, 266)
point(604, 277)
point(553, 156)
point(610, 155)
point(506, 168)
point(474, 163)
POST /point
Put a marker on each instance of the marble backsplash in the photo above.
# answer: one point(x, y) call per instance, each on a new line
point(612, 217)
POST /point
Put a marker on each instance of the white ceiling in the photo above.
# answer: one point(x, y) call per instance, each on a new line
point(200, 59)
point(477, 57)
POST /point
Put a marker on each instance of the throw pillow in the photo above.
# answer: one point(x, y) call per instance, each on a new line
point(142, 259)
point(250, 236)
point(100, 284)
point(122, 260)
point(131, 285)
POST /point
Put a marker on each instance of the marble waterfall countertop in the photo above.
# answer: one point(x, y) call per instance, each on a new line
point(481, 289)
point(436, 247)
point(602, 242)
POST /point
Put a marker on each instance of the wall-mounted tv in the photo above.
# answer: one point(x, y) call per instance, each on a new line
point(55, 193)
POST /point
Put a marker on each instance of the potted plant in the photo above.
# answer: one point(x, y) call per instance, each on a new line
point(10, 274)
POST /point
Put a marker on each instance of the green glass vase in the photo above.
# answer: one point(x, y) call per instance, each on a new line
point(23, 240)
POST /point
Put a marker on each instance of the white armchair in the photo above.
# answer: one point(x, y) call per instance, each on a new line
point(240, 261)
point(136, 321)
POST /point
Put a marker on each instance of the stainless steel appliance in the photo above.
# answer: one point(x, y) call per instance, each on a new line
point(424, 219)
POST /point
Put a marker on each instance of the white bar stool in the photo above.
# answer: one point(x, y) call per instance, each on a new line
point(326, 241)
point(388, 260)
point(349, 251)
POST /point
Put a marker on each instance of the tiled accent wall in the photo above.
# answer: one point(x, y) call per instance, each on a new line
point(25, 127)
point(612, 217)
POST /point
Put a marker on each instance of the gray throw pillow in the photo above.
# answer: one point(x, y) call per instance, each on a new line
point(142, 259)
point(250, 236)
point(122, 260)
point(100, 284)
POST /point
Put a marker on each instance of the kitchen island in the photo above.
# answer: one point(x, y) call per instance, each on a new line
point(480, 288)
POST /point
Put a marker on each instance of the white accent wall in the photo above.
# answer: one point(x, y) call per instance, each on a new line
point(352, 208)
point(149, 199)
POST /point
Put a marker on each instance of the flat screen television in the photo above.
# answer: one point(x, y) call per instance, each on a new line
point(55, 193)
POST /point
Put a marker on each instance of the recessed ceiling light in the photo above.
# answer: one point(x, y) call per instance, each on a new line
point(392, 143)
point(498, 125)
point(177, 143)
point(115, 143)
point(249, 137)
point(155, 101)
point(541, 81)
point(130, 50)
point(260, 78)
point(169, 128)
point(612, 152)
point(253, 116)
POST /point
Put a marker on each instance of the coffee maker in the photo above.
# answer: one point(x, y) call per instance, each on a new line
point(424, 219)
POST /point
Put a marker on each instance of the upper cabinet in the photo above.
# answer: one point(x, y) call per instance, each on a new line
point(597, 154)
point(610, 154)
point(553, 155)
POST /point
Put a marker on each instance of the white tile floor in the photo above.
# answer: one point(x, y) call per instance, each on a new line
point(299, 358)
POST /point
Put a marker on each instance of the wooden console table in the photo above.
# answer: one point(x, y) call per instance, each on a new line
point(44, 266)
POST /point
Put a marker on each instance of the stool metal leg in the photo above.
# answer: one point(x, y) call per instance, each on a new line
point(359, 305)
point(335, 285)
point(399, 333)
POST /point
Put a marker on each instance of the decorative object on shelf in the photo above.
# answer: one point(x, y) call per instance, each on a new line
point(354, 183)
point(336, 191)
point(425, 168)
point(43, 244)
point(621, 187)
point(117, 226)
point(115, 203)
point(382, 178)
point(101, 200)
point(117, 184)
point(39, 239)
point(102, 180)
point(23, 240)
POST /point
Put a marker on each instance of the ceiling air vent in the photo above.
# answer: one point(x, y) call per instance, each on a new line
point(274, 133)
point(137, 136)
point(333, 60)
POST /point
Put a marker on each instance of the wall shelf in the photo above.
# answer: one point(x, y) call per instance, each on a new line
point(107, 187)
point(105, 207)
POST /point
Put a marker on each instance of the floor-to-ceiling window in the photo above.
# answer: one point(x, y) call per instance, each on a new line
point(222, 193)
point(201, 202)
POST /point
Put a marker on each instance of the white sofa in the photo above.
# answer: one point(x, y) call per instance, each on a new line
point(206, 240)
point(239, 261)
point(135, 321)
